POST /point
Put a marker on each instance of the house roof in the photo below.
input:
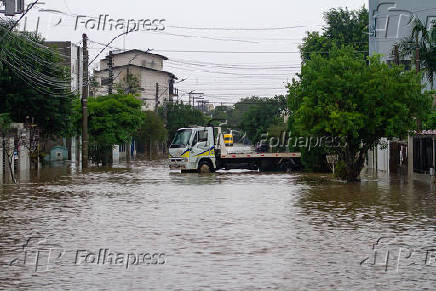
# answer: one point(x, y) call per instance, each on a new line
point(140, 67)
point(136, 51)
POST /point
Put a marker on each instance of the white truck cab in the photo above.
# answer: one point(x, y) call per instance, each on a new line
point(193, 148)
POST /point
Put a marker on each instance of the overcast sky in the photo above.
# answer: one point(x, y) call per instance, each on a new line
point(227, 76)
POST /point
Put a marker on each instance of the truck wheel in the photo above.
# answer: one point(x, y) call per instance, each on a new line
point(205, 168)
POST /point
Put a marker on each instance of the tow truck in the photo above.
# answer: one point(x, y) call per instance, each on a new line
point(203, 150)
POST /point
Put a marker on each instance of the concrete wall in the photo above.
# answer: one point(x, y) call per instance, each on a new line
point(147, 79)
point(24, 163)
point(76, 68)
point(72, 58)
point(383, 156)
point(148, 82)
point(135, 58)
point(378, 158)
point(116, 154)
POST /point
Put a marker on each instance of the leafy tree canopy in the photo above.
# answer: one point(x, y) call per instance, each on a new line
point(254, 116)
point(343, 28)
point(152, 128)
point(343, 96)
point(258, 115)
point(178, 115)
point(112, 120)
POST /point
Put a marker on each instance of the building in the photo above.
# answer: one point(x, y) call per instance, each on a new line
point(156, 85)
point(72, 59)
point(390, 21)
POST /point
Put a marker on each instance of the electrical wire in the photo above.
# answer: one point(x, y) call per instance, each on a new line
point(237, 29)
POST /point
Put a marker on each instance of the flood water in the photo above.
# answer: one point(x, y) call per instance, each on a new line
point(230, 230)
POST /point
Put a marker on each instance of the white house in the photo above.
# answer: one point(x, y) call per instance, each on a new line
point(157, 85)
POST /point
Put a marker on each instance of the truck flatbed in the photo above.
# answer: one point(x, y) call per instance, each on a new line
point(259, 155)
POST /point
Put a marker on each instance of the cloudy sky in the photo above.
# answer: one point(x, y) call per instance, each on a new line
point(225, 49)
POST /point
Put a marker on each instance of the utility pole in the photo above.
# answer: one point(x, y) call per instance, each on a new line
point(156, 97)
point(85, 103)
point(111, 72)
point(192, 97)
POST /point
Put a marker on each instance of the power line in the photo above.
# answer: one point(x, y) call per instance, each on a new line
point(241, 52)
point(237, 28)
point(109, 43)
point(229, 73)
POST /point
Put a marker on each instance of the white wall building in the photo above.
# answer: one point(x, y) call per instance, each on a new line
point(390, 21)
point(72, 58)
point(157, 85)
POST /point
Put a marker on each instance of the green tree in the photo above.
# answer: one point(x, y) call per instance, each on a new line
point(424, 41)
point(113, 119)
point(178, 115)
point(5, 122)
point(257, 115)
point(344, 97)
point(152, 129)
point(33, 82)
point(343, 28)
point(430, 122)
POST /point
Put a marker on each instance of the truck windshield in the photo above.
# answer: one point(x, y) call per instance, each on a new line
point(181, 139)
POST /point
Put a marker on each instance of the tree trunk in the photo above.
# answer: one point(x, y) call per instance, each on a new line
point(354, 162)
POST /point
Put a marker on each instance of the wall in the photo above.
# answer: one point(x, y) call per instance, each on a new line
point(76, 68)
point(378, 158)
point(148, 80)
point(135, 58)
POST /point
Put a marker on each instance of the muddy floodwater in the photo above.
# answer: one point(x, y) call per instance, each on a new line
point(138, 227)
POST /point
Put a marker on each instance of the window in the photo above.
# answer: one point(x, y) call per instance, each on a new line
point(181, 139)
point(200, 136)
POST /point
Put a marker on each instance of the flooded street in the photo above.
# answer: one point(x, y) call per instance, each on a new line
point(229, 230)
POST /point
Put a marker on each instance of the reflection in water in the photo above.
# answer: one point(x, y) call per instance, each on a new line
point(229, 230)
